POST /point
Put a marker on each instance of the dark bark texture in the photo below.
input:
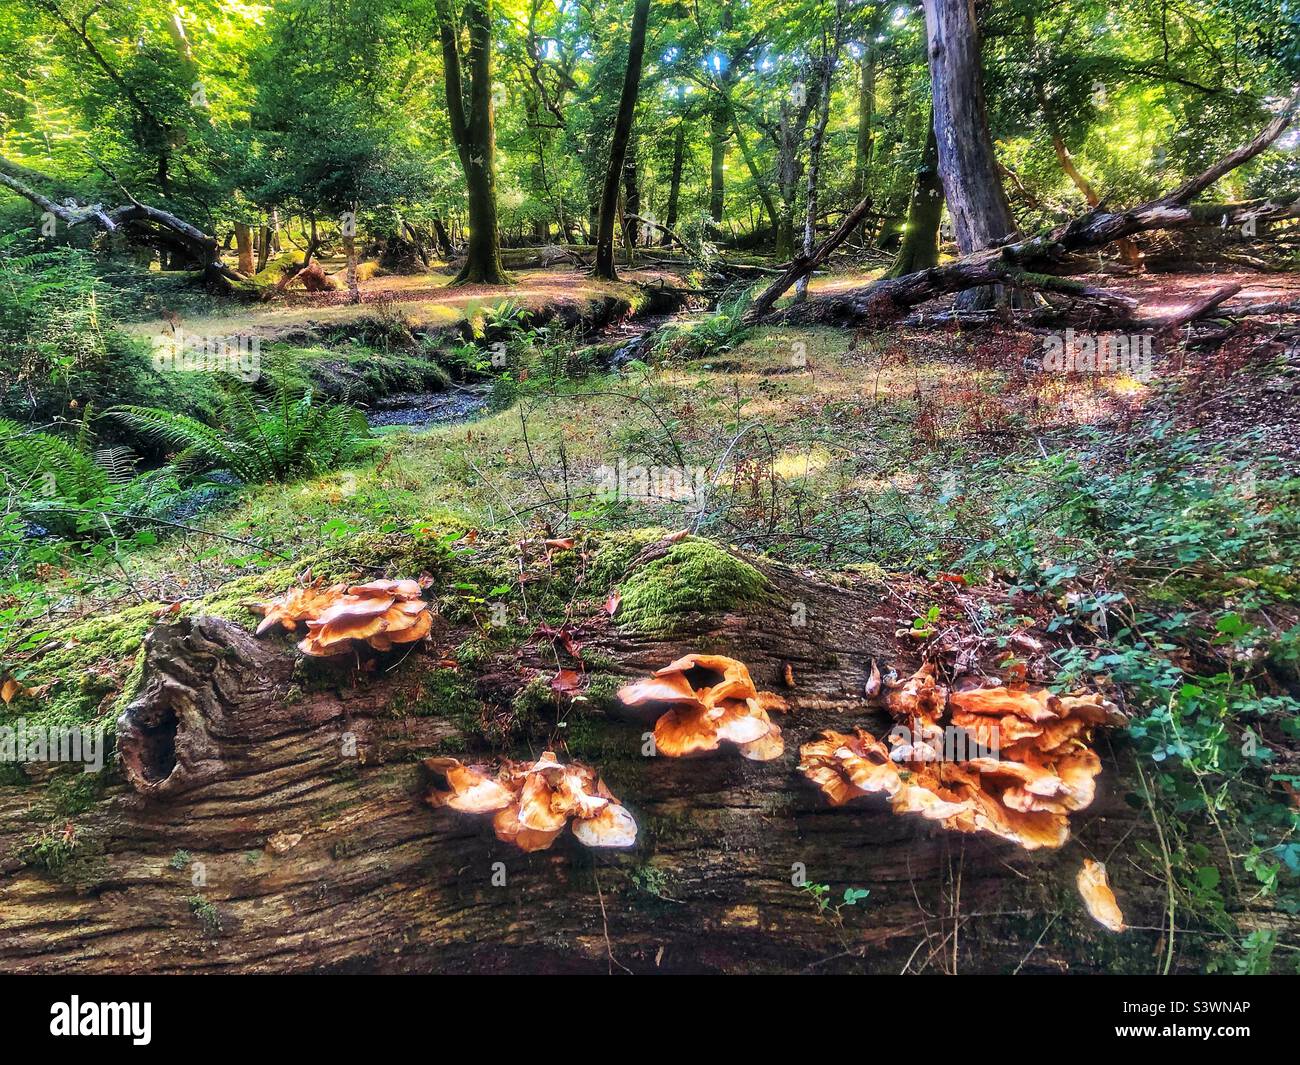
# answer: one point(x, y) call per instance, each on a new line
point(267, 817)
point(967, 165)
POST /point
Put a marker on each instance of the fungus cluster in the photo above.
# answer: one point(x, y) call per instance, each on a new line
point(531, 802)
point(380, 614)
point(703, 701)
point(1021, 764)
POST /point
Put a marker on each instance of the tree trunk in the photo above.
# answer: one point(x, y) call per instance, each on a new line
point(717, 161)
point(866, 117)
point(350, 250)
point(475, 137)
point(675, 181)
point(244, 244)
point(631, 194)
point(604, 268)
point(920, 247)
point(812, 198)
point(967, 165)
point(263, 823)
point(263, 248)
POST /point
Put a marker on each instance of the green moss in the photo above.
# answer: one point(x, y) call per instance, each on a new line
point(695, 576)
point(75, 793)
point(180, 860)
point(870, 570)
point(531, 701)
point(449, 694)
point(92, 660)
point(602, 691)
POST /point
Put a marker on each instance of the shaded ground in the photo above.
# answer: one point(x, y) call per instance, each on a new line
point(424, 301)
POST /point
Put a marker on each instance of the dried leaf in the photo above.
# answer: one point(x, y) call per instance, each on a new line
point(566, 682)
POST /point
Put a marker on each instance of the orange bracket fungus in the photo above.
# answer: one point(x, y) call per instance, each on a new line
point(531, 802)
point(1098, 897)
point(1011, 761)
point(703, 701)
point(380, 614)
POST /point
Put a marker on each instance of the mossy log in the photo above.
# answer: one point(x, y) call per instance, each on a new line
point(266, 814)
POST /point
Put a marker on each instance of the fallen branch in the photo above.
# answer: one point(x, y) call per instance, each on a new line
point(1029, 263)
point(1189, 314)
point(203, 248)
point(806, 264)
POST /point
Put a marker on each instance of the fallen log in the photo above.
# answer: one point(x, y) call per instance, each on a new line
point(204, 249)
point(266, 816)
point(803, 265)
point(1035, 263)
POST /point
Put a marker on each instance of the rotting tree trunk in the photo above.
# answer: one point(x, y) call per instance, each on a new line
point(270, 819)
point(967, 165)
point(920, 247)
point(604, 268)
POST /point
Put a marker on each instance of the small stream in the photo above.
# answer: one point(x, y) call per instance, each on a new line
point(420, 410)
point(460, 403)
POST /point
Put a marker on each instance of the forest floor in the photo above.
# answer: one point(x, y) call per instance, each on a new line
point(861, 435)
point(425, 301)
point(915, 451)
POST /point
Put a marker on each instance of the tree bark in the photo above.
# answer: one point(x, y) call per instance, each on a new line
point(267, 817)
point(920, 247)
point(675, 180)
point(604, 268)
point(244, 244)
point(967, 165)
point(474, 133)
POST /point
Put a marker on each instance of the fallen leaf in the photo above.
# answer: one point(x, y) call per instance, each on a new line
point(566, 682)
point(613, 603)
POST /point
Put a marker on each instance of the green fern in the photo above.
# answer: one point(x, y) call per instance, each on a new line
point(259, 437)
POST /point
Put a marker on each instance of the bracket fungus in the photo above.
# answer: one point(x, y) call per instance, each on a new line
point(1097, 896)
point(380, 614)
point(1013, 762)
point(703, 701)
point(531, 802)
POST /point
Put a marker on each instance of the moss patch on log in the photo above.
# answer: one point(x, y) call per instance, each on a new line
point(695, 576)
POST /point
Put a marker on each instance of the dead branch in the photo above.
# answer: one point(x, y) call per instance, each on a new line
point(1031, 263)
point(806, 264)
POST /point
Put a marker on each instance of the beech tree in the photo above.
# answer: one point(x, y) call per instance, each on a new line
point(470, 114)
